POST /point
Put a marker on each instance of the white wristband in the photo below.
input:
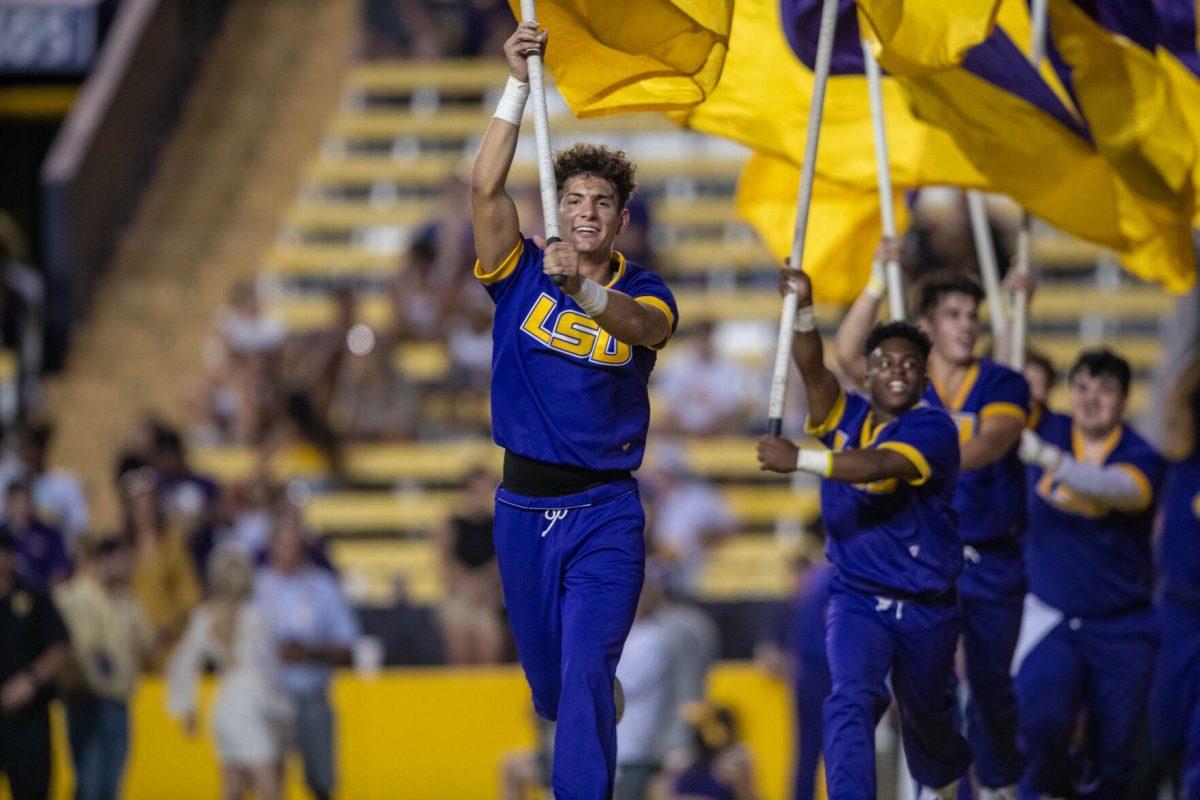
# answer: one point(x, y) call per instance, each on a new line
point(815, 462)
point(806, 320)
point(512, 103)
point(591, 297)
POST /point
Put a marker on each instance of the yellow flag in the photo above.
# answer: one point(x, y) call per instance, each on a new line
point(844, 225)
point(620, 56)
point(1186, 86)
point(916, 36)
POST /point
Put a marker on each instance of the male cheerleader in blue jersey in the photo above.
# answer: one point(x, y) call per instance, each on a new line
point(886, 500)
point(570, 367)
point(989, 403)
point(1088, 635)
point(1175, 697)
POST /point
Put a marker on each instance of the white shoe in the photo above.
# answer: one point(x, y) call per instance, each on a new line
point(947, 792)
point(1003, 793)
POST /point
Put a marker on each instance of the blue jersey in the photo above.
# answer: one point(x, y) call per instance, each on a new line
point(1082, 557)
point(564, 391)
point(990, 501)
point(1179, 545)
point(890, 537)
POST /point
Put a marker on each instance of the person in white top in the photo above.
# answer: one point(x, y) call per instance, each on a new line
point(250, 714)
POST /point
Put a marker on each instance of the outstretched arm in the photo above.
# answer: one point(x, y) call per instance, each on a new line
point(856, 325)
point(496, 229)
point(851, 466)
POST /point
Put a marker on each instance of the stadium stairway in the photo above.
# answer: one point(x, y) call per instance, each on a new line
point(257, 111)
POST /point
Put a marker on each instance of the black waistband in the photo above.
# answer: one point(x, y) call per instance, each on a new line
point(534, 478)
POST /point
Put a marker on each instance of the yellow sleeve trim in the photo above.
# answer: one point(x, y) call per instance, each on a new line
point(831, 421)
point(504, 270)
point(915, 456)
point(1143, 484)
point(1004, 409)
point(657, 302)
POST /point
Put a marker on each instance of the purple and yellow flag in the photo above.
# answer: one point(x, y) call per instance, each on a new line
point(1178, 44)
point(1029, 131)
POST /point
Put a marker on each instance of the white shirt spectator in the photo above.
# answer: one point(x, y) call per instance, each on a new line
point(688, 517)
point(702, 392)
point(644, 672)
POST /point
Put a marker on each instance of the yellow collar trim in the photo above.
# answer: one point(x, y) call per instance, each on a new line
point(870, 431)
point(620, 273)
point(964, 388)
point(1106, 447)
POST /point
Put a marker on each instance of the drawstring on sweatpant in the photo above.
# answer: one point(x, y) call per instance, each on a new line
point(554, 516)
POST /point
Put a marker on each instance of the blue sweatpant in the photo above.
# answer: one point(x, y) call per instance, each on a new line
point(1175, 698)
point(866, 637)
point(991, 596)
point(572, 570)
point(1098, 665)
point(811, 688)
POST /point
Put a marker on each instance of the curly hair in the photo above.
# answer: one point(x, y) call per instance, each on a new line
point(596, 159)
point(898, 330)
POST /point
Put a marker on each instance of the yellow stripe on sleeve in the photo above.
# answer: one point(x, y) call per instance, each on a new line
point(505, 268)
point(915, 456)
point(1004, 409)
point(1143, 484)
point(657, 302)
point(831, 421)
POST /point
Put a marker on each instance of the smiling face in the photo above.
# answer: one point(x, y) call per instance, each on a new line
point(895, 375)
point(953, 327)
point(589, 215)
point(1097, 403)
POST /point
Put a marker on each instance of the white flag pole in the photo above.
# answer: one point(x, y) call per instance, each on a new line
point(989, 271)
point(787, 317)
point(541, 130)
point(895, 281)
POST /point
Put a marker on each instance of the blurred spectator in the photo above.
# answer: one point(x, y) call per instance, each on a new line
point(645, 675)
point(693, 643)
point(164, 575)
point(811, 680)
point(526, 773)
point(372, 400)
point(187, 497)
point(470, 345)
point(703, 393)
point(472, 626)
point(411, 28)
point(722, 768)
point(314, 630)
point(22, 315)
point(250, 513)
point(687, 517)
point(43, 562)
point(250, 713)
point(421, 296)
point(33, 651)
point(243, 328)
point(57, 493)
point(634, 241)
point(1040, 373)
point(111, 641)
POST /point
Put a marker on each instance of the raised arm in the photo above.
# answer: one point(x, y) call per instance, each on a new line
point(820, 384)
point(496, 227)
point(856, 325)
